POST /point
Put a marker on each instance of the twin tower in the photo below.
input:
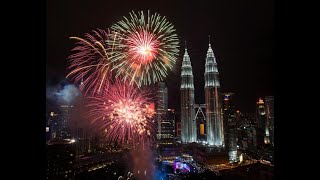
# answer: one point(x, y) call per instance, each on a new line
point(214, 123)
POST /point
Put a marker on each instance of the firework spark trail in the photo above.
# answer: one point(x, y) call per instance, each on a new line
point(124, 112)
point(140, 50)
point(145, 49)
point(90, 63)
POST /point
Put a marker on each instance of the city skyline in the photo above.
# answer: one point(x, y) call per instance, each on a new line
point(160, 90)
point(242, 44)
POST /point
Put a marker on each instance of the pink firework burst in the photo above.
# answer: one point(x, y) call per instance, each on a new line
point(142, 47)
point(124, 112)
point(90, 65)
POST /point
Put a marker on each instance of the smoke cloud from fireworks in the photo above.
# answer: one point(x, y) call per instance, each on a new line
point(65, 95)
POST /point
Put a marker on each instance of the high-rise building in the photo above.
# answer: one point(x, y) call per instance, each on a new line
point(262, 123)
point(161, 105)
point(247, 132)
point(60, 158)
point(230, 126)
point(54, 125)
point(246, 140)
point(188, 123)
point(214, 120)
point(58, 122)
point(66, 112)
point(50, 125)
point(251, 139)
point(269, 102)
point(167, 125)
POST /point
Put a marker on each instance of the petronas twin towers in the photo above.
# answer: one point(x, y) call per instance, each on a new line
point(188, 123)
point(214, 123)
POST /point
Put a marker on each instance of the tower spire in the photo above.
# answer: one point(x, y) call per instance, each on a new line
point(185, 49)
point(209, 41)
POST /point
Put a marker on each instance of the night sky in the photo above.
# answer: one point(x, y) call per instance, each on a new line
point(242, 38)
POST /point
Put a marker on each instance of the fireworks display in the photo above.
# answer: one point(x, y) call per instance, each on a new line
point(145, 48)
point(125, 113)
point(136, 51)
point(90, 64)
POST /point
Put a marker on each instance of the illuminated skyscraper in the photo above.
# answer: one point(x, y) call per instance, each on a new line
point(161, 105)
point(229, 116)
point(59, 122)
point(167, 126)
point(269, 102)
point(65, 121)
point(188, 123)
point(262, 122)
point(214, 122)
